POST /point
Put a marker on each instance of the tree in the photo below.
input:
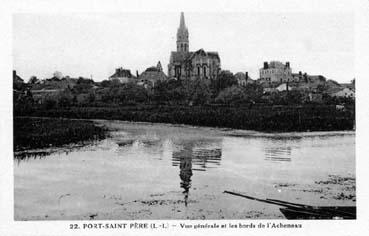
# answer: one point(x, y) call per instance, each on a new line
point(253, 92)
point(65, 98)
point(295, 97)
point(133, 93)
point(49, 103)
point(22, 102)
point(161, 91)
point(106, 83)
point(58, 74)
point(198, 92)
point(33, 80)
point(322, 88)
point(83, 85)
point(231, 95)
point(224, 80)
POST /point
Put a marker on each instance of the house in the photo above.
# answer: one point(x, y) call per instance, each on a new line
point(344, 92)
point(16, 78)
point(41, 95)
point(243, 78)
point(348, 85)
point(122, 75)
point(275, 72)
point(317, 79)
point(151, 76)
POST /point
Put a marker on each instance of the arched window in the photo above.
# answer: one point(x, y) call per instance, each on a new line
point(177, 71)
point(198, 70)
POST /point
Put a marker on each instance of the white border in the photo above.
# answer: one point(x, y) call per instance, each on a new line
point(361, 9)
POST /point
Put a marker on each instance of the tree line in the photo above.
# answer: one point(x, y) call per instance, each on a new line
point(222, 91)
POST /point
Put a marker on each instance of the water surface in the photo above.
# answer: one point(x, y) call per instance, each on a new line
point(157, 171)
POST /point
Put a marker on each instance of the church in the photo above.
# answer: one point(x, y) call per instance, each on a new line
point(184, 64)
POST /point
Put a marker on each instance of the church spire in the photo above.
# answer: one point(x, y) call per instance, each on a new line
point(182, 22)
point(182, 36)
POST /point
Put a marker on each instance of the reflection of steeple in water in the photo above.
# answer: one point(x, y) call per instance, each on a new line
point(185, 173)
point(195, 154)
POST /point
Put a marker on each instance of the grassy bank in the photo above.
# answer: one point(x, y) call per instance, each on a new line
point(260, 118)
point(30, 133)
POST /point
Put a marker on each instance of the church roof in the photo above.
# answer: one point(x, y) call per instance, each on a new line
point(183, 56)
point(152, 75)
point(180, 56)
point(152, 68)
point(214, 55)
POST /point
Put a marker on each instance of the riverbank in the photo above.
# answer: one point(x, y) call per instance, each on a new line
point(32, 133)
point(258, 118)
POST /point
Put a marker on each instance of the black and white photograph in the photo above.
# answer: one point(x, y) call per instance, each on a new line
point(184, 115)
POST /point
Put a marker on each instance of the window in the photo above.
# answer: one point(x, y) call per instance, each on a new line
point(204, 71)
point(198, 70)
point(177, 71)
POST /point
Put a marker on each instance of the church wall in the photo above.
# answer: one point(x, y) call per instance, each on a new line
point(208, 67)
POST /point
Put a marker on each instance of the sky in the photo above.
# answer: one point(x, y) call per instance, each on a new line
point(93, 45)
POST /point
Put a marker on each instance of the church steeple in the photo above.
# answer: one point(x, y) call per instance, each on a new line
point(182, 22)
point(182, 36)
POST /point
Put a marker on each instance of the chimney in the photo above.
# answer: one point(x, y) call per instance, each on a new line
point(265, 65)
point(288, 64)
point(14, 73)
point(137, 73)
point(246, 75)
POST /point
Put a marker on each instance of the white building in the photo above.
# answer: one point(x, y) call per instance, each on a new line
point(275, 72)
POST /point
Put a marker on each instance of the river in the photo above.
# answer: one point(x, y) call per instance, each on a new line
point(159, 171)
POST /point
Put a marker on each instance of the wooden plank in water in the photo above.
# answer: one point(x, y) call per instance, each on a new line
point(299, 211)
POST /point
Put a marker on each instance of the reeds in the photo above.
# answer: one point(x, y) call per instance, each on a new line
point(261, 118)
point(32, 133)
